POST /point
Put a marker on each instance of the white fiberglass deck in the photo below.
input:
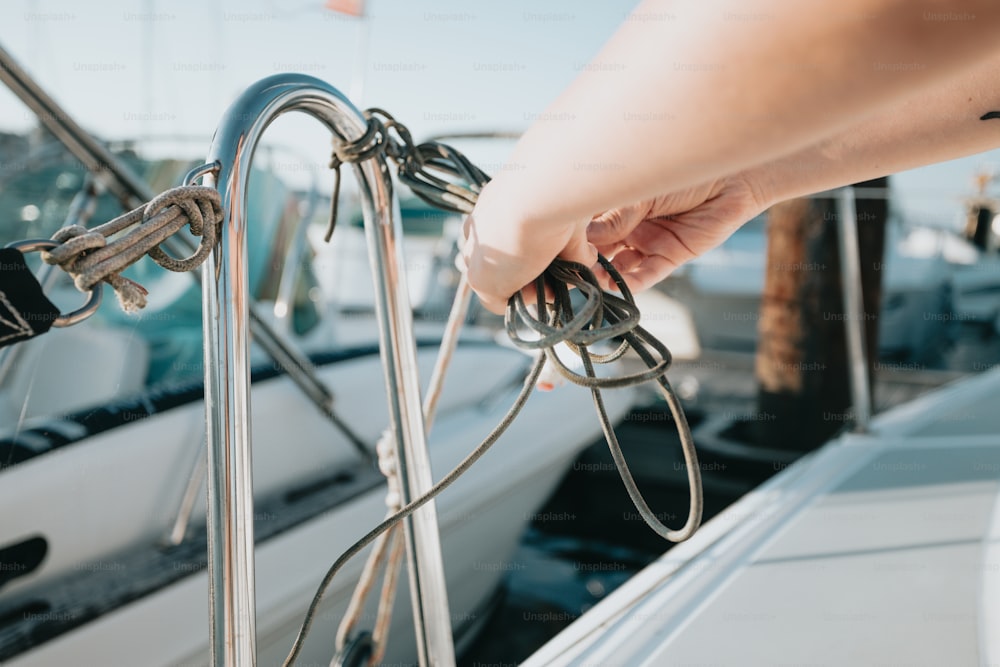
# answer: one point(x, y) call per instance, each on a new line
point(881, 549)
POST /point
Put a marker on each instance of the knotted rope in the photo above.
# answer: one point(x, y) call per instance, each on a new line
point(89, 257)
point(388, 545)
point(350, 645)
point(419, 166)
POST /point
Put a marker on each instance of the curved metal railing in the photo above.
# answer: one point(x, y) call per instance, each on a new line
point(227, 370)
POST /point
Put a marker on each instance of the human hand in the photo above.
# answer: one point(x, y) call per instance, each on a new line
point(648, 240)
point(644, 241)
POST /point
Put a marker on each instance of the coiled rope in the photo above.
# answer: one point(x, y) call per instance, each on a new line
point(444, 177)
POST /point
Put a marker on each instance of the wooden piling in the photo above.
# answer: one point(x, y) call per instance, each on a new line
point(801, 366)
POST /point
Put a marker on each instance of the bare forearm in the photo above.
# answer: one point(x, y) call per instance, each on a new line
point(687, 93)
point(956, 118)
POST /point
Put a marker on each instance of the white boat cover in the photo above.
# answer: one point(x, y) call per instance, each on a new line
point(879, 549)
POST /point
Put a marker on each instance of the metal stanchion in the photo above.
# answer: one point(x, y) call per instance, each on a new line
point(227, 380)
point(854, 310)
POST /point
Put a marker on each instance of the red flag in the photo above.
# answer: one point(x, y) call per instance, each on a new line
point(351, 7)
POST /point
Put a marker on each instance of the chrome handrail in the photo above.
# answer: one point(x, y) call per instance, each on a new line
point(854, 308)
point(227, 379)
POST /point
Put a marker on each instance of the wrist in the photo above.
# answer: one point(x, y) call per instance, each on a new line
point(766, 184)
point(808, 171)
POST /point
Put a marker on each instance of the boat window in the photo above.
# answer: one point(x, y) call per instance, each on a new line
point(37, 187)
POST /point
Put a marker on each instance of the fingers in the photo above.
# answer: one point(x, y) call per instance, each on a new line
point(495, 305)
point(484, 270)
point(507, 247)
point(648, 272)
point(580, 250)
point(627, 260)
point(613, 226)
point(501, 258)
point(496, 276)
point(639, 270)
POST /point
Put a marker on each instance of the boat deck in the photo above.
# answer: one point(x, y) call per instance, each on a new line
point(588, 540)
point(877, 549)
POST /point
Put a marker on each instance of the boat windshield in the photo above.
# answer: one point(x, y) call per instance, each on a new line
point(39, 183)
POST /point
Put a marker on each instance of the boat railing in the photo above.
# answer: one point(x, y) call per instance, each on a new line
point(227, 368)
point(229, 319)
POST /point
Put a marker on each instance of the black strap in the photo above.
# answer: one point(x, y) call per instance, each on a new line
point(25, 311)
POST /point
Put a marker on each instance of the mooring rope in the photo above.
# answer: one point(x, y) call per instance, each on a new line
point(387, 462)
point(603, 317)
point(89, 257)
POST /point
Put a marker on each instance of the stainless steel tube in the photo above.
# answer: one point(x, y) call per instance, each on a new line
point(854, 309)
point(227, 382)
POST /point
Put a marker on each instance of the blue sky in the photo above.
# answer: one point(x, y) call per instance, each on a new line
point(437, 65)
point(129, 69)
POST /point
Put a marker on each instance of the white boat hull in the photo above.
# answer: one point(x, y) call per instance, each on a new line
point(119, 490)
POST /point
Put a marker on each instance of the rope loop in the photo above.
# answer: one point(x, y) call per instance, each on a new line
point(435, 172)
point(604, 317)
point(368, 145)
point(201, 208)
point(400, 147)
point(74, 240)
point(373, 142)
